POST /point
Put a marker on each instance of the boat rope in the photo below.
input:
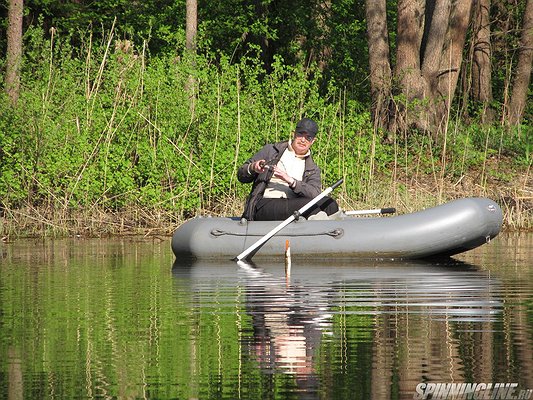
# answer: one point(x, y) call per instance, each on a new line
point(335, 233)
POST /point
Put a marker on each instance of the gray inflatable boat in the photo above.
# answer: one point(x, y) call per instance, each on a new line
point(441, 231)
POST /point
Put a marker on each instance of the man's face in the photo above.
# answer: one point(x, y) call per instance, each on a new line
point(301, 143)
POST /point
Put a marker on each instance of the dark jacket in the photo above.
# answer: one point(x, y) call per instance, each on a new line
point(310, 185)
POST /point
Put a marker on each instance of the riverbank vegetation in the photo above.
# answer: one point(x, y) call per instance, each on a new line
point(110, 135)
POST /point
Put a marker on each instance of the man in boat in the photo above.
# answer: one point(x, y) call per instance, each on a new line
point(284, 178)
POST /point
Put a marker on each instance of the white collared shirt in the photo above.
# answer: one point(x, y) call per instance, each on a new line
point(294, 165)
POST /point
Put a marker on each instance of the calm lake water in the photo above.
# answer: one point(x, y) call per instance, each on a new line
point(120, 319)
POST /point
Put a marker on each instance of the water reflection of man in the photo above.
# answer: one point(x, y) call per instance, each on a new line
point(285, 333)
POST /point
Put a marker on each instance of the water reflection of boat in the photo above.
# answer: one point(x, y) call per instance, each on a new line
point(356, 313)
point(444, 230)
point(451, 289)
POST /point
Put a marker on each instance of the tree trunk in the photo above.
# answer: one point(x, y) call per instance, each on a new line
point(437, 25)
point(379, 60)
point(523, 68)
point(481, 60)
point(429, 43)
point(191, 25)
point(451, 59)
point(408, 74)
point(191, 30)
point(322, 14)
point(14, 50)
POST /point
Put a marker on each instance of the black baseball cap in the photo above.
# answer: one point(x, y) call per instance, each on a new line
point(306, 125)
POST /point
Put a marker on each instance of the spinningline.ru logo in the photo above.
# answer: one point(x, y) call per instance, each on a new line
point(471, 391)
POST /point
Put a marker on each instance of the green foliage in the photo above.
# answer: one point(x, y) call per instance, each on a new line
point(474, 144)
point(347, 43)
point(331, 34)
point(300, 31)
point(107, 124)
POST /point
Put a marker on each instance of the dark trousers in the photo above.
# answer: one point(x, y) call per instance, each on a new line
point(281, 209)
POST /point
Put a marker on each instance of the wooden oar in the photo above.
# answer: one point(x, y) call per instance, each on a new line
point(264, 239)
point(389, 210)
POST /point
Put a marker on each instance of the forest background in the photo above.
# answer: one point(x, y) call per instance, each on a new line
point(131, 116)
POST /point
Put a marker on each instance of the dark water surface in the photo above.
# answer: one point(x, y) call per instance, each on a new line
point(119, 319)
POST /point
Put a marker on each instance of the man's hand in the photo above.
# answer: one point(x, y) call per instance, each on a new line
point(282, 174)
point(259, 166)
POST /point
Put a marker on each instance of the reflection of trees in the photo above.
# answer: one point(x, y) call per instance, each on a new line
point(114, 322)
point(417, 326)
point(410, 348)
point(511, 339)
point(15, 390)
point(390, 329)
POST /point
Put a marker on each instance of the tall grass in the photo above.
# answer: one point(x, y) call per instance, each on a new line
point(107, 139)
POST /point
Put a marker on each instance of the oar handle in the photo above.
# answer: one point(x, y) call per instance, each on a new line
point(389, 210)
point(334, 186)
